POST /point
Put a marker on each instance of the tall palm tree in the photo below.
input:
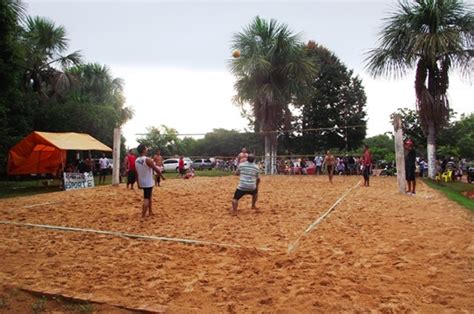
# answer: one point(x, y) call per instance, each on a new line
point(272, 69)
point(432, 36)
point(96, 85)
point(45, 45)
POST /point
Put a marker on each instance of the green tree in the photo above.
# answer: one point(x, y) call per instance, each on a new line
point(163, 138)
point(337, 100)
point(222, 142)
point(14, 112)
point(411, 126)
point(458, 139)
point(93, 105)
point(272, 70)
point(433, 36)
point(382, 147)
point(45, 45)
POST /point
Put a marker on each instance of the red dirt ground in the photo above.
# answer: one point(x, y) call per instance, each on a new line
point(378, 250)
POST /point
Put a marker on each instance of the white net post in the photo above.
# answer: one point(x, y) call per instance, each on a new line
point(399, 153)
point(116, 157)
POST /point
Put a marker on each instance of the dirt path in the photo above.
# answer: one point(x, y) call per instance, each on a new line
point(377, 250)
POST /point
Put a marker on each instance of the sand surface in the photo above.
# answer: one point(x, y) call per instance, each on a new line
point(378, 250)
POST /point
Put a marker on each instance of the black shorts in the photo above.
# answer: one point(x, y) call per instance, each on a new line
point(131, 177)
point(410, 174)
point(366, 172)
point(239, 193)
point(104, 172)
point(147, 192)
point(330, 168)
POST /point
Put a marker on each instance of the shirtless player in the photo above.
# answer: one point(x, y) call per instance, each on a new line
point(329, 161)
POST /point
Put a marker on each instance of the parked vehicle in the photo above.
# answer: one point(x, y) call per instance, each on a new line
point(201, 164)
point(171, 164)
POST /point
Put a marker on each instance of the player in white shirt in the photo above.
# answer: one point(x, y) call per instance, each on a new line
point(145, 178)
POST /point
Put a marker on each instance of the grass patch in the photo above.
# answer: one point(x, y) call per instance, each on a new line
point(3, 303)
point(40, 305)
point(79, 307)
point(453, 191)
point(25, 188)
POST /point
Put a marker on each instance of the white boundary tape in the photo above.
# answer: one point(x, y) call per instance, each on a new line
point(41, 204)
point(313, 225)
point(134, 235)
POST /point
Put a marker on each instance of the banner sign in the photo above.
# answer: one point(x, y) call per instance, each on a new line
point(75, 181)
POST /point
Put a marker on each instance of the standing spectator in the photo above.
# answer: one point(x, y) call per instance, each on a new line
point(318, 161)
point(340, 167)
point(367, 164)
point(158, 159)
point(329, 162)
point(351, 165)
point(81, 166)
point(410, 167)
point(144, 168)
point(130, 168)
point(104, 166)
point(181, 170)
point(357, 165)
point(89, 164)
point(443, 164)
point(303, 166)
point(423, 167)
point(242, 156)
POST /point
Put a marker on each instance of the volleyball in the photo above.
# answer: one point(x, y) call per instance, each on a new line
point(236, 53)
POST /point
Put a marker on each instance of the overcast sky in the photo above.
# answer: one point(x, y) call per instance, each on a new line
point(173, 55)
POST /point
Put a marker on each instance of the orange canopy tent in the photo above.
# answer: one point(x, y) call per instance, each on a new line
point(45, 152)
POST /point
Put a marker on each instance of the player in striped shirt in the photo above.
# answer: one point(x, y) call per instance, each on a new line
point(248, 183)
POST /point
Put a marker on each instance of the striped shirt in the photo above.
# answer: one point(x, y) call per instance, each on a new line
point(248, 176)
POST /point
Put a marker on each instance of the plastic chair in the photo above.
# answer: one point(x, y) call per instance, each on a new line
point(447, 176)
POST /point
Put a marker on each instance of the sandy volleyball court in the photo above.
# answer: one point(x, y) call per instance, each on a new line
point(377, 250)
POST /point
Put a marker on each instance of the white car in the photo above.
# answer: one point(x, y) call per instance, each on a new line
point(171, 164)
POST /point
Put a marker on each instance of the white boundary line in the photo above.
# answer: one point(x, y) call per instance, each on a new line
point(313, 225)
point(133, 235)
point(41, 204)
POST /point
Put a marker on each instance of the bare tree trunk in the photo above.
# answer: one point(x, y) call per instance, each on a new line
point(268, 152)
point(431, 150)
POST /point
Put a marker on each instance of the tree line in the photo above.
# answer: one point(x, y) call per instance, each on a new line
point(44, 87)
point(455, 140)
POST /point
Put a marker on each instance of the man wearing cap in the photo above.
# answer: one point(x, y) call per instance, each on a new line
point(248, 183)
point(144, 168)
point(410, 166)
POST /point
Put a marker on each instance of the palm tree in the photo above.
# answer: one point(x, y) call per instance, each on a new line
point(45, 44)
point(432, 36)
point(273, 68)
point(96, 85)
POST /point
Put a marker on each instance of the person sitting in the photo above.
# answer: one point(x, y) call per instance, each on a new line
point(303, 166)
point(189, 174)
point(341, 167)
